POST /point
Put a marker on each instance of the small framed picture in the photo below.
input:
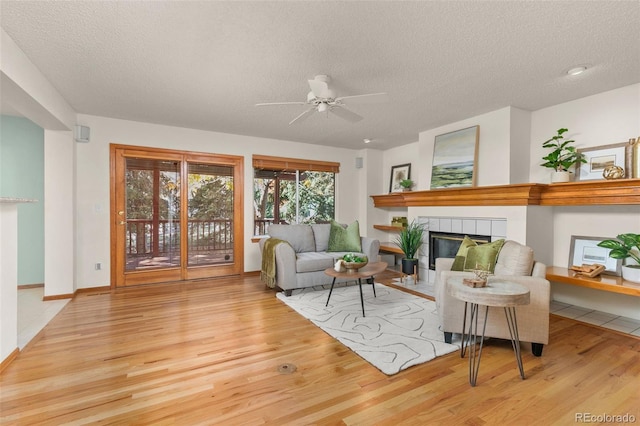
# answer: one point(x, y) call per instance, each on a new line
point(585, 250)
point(599, 157)
point(398, 174)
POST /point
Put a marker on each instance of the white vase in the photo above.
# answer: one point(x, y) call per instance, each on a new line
point(631, 274)
point(559, 177)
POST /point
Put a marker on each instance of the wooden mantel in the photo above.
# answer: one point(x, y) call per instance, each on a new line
point(599, 192)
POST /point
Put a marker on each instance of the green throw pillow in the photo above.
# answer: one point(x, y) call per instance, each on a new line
point(483, 256)
point(344, 239)
point(458, 263)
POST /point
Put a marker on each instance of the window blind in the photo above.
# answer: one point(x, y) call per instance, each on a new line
point(266, 162)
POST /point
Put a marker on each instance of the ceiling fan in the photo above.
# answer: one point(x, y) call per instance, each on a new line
point(322, 99)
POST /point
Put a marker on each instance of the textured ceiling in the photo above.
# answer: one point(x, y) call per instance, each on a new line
point(204, 65)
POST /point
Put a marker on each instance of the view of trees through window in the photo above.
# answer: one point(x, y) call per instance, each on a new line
point(153, 206)
point(277, 198)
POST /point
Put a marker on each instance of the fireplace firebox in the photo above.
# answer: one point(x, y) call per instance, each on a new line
point(446, 244)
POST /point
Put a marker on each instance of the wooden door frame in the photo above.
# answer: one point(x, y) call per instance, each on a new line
point(118, 276)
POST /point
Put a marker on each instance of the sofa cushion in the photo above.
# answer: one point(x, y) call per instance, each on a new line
point(483, 256)
point(313, 261)
point(321, 235)
point(300, 237)
point(514, 259)
point(461, 255)
point(344, 238)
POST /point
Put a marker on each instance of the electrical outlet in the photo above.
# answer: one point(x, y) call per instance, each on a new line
point(98, 266)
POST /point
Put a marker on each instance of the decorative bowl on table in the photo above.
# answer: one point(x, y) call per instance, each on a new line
point(353, 262)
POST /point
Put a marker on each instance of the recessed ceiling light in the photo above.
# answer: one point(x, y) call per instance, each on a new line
point(577, 70)
point(367, 140)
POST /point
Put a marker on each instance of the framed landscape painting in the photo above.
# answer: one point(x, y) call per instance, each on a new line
point(454, 158)
point(599, 157)
point(585, 250)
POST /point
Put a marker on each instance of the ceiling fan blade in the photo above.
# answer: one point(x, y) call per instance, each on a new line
point(368, 98)
point(300, 118)
point(344, 113)
point(320, 89)
point(281, 103)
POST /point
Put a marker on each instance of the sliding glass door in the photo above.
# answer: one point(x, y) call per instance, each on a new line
point(176, 215)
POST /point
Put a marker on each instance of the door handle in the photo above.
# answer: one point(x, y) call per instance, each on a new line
point(122, 222)
point(121, 212)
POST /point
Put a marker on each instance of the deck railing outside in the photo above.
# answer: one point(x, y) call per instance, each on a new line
point(203, 236)
point(261, 226)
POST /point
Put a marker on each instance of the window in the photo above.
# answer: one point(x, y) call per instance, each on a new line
point(292, 191)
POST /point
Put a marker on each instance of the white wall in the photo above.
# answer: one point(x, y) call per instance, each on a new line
point(92, 181)
point(493, 166)
point(602, 119)
point(8, 279)
point(59, 218)
point(370, 178)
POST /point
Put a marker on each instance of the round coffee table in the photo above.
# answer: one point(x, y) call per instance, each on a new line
point(499, 293)
point(367, 272)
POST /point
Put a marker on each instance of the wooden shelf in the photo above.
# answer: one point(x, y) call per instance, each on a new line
point(389, 228)
point(599, 192)
point(604, 282)
point(389, 247)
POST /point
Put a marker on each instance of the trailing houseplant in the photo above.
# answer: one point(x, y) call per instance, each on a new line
point(625, 246)
point(409, 240)
point(563, 155)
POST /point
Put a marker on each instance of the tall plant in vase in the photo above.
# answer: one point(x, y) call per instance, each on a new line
point(409, 240)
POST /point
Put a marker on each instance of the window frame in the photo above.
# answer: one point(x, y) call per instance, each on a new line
point(298, 166)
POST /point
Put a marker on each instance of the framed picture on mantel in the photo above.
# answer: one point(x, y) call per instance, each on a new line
point(599, 157)
point(455, 156)
point(398, 174)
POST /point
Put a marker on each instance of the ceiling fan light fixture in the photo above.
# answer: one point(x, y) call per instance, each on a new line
point(322, 107)
point(366, 140)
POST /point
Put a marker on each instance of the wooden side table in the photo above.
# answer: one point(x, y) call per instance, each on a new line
point(367, 272)
point(497, 293)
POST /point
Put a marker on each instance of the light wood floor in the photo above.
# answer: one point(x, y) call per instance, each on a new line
point(209, 352)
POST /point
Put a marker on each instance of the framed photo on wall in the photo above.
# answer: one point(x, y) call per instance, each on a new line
point(398, 174)
point(599, 157)
point(455, 155)
point(585, 250)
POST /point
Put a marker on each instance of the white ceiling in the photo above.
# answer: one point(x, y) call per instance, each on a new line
point(204, 65)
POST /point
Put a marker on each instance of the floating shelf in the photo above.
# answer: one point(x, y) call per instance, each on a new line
point(610, 283)
point(389, 228)
point(389, 247)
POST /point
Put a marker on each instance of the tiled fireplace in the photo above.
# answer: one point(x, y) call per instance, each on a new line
point(490, 228)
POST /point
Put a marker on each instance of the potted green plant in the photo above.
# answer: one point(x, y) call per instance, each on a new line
point(409, 240)
point(563, 155)
point(406, 184)
point(626, 246)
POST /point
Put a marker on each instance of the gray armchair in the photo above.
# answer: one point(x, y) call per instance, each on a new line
point(515, 263)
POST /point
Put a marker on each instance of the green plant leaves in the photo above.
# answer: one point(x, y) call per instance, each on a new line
point(562, 155)
point(410, 239)
point(623, 246)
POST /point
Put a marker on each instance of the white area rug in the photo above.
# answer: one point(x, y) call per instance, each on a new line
point(399, 330)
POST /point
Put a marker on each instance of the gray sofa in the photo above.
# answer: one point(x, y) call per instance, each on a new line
point(302, 262)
